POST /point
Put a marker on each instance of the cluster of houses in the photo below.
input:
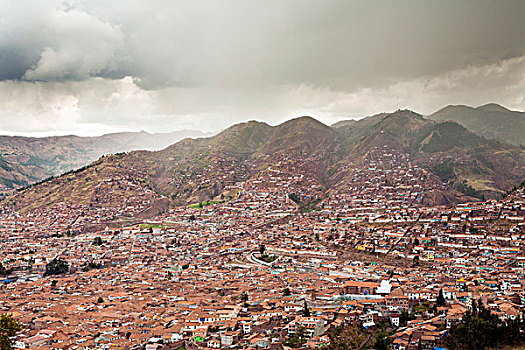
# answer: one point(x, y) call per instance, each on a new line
point(257, 272)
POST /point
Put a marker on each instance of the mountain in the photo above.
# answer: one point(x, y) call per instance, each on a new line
point(25, 160)
point(470, 163)
point(13, 174)
point(303, 135)
point(237, 154)
point(491, 121)
point(354, 129)
point(458, 164)
point(194, 170)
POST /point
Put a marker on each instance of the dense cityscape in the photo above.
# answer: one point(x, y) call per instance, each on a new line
point(261, 270)
point(283, 175)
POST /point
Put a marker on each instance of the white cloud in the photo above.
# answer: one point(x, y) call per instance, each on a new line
point(73, 106)
point(78, 46)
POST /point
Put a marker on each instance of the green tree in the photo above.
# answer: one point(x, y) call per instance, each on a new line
point(481, 329)
point(286, 292)
point(9, 327)
point(262, 249)
point(382, 342)
point(2, 269)
point(440, 301)
point(97, 241)
point(56, 267)
point(295, 198)
point(404, 317)
point(298, 338)
point(306, 311)
point(100, 300)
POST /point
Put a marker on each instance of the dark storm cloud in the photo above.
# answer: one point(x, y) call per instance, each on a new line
point(227, 59)
point(231, 42)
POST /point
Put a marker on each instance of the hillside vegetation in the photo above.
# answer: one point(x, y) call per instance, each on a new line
point(491, 121)
point(207, 169)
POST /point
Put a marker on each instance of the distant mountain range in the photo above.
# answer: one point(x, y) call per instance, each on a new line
point(491, 121)
point(25, 160)
point(194, 170)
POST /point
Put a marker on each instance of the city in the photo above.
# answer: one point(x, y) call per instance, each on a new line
point(283, 175)
point(253, 271)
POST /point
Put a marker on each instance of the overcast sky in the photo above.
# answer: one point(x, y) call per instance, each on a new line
point(95, 66)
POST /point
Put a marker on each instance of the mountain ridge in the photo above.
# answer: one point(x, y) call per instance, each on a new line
point(491, 120)
point(35, 158)
point(196, 170)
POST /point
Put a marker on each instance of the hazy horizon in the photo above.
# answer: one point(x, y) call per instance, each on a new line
point(208, 133)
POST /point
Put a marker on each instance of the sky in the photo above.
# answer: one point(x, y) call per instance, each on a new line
point(89, 67)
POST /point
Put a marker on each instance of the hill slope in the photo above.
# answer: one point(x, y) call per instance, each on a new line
point(472, 164)
point(29, 159)
point(491, 121)
point(213, 168)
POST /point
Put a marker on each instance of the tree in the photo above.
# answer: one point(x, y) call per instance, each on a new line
point(128, 334)
point(294, 197)
point(298, 339)
point(2, 269)
point(9, 327)
point(416, 241)
point(474, 307)
point(244, 296)
point(404, 317)
point(440, 301)
point(306, 311)
point(481, 329)
point(100, 300)
point(56, 267)
point(348, 336)
point(97, 241)
point(185, 266)
point(286, 292)
point(382, 342)
point(262, 249)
